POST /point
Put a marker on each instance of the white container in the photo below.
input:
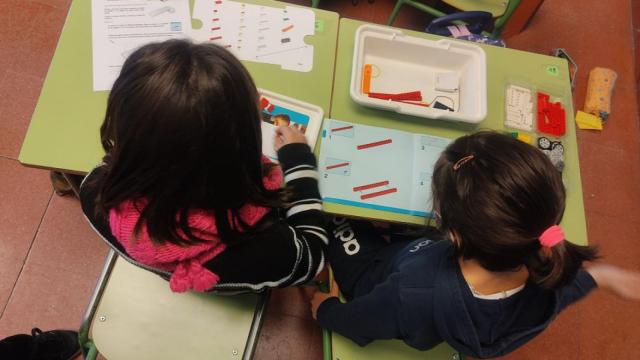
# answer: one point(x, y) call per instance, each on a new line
point(403, 63)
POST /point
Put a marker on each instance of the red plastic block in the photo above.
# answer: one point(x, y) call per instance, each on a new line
point(551, 116)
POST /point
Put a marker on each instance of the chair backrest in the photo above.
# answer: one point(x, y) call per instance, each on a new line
point(138, 317)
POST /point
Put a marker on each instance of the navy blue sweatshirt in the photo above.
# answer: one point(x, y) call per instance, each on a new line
point(424, 301)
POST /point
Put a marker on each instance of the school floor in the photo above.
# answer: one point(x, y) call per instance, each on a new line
point(50, 258)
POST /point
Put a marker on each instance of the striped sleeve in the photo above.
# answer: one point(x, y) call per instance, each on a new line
point(304, 207)
point(290, 250)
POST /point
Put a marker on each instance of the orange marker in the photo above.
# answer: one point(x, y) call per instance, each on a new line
point(287, 28)
point(366, 78)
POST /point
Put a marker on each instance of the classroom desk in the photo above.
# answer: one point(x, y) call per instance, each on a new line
point(63, 133)
point(503, 66)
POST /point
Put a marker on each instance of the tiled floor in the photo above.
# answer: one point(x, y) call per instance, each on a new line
point(49, 257)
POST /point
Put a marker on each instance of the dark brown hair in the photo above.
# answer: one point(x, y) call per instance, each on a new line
point(499, 202)
point(182, 131)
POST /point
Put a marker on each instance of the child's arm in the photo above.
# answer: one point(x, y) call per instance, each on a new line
point(286, 251)
point(621, 282)
point(364, 319)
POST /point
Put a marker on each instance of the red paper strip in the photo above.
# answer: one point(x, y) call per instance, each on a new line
point(379, 193)
point(371, 186)
point(337, 165)
point(373, 144)
point(342, 128)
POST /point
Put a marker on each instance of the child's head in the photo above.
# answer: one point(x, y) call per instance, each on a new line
point(281, 120)
point(495, 196)
point(182, 130)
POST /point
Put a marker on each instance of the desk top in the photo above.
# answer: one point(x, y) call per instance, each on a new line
point(64, 129)
point(504, 66)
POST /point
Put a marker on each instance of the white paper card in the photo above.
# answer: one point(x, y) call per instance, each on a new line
point(121, 26)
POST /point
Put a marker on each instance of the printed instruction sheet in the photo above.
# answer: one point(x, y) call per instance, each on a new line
point(121, 26)
point(252, 32)
point(258, 33)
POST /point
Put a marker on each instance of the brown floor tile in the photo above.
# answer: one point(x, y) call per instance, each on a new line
point(292, 301)
point(315, 348)
point(61, 4)
point(561, 340)
point(48, 297)
point(286, 337)
point(609, 180)
point(35, 55)
point(610, 327)
point(16, 17)
point(408, 17)
point(66, 233)
point(25, 193)
point(616, 238)
point(362, 11)
point(18, 96)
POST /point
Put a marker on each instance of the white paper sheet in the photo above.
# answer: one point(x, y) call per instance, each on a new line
point(252, 32)
point(121, 26)
point(258, 33)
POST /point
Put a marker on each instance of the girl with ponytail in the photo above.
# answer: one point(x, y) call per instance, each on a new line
point(500, 274)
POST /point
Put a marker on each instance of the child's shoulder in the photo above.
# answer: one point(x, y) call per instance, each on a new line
point(423, 261)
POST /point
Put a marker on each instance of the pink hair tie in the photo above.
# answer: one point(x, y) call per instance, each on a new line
point(551, 236)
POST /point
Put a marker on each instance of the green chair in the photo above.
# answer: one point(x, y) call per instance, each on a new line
point(341, 348)
point(134, 315)
point(500, 9)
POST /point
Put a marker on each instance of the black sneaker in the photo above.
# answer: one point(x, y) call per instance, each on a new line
point(47, 345)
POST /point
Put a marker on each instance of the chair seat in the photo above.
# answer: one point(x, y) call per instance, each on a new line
point(495, 7)
point(138, 317)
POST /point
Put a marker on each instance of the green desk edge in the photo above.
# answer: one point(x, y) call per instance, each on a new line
point(504, 66)
point(64, 129)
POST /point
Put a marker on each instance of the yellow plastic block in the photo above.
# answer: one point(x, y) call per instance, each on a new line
point(588, 121)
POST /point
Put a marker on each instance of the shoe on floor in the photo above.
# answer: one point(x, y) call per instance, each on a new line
point(41, 345)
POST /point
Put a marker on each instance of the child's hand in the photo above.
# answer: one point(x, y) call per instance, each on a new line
point(287, 135)
point(319, 297)
point(624, 283)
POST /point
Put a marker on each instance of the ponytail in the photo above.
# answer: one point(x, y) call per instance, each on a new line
point(554, 267)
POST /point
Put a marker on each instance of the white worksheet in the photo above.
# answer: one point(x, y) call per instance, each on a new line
point(258, 33)
point(122, 26)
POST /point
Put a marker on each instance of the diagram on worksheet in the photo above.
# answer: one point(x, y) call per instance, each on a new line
point(258, 33)
point(378, 168)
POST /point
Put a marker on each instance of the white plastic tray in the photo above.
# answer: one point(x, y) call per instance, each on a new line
point(403, 63)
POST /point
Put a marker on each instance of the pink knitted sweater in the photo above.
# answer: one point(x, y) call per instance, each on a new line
point(185, 262)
